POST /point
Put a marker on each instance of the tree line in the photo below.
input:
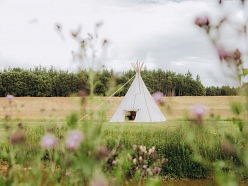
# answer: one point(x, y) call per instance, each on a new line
point(43, 82)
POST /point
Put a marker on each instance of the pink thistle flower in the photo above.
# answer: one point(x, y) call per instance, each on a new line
point(222, 53)
point(199, 110)
point(158, 97)
point(144, 166)
point(49, 141)
point(202, 21)
point(74, 139)
point(10, 97)
point(157, 169)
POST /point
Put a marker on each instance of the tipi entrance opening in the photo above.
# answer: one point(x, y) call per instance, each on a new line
point(130, 115)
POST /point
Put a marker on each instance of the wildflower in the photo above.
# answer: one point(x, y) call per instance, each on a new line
point(18, 137)
point(134, 147)
point(134, 161)
point(144, 166)
point(158, 97)
point(199, 111)
point(150, 151)
point(153, 149)
point(143, 149)
point(74, 139)
point(49, 141)
point(103, 152)
point(140, 158)
point(227, 147)
point(237, 55)
point(114, 162)
point(223, 54)
point(202, 21)
point(10, 97)
point(149, 171)
point(157, 169)
point(20, 125)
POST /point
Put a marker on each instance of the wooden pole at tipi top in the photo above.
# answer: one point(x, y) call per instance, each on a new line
point(137, 66)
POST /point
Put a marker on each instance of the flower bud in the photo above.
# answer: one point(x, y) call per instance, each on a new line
point(134, 161)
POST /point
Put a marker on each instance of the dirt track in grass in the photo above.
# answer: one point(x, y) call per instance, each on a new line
point(45, 108)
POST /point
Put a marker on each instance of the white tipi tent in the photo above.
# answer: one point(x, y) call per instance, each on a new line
point(138, 105)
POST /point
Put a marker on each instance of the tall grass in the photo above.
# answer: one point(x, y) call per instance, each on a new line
point(172, 143)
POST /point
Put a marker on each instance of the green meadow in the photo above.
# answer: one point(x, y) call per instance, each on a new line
point(182, 147)
point(171, 140)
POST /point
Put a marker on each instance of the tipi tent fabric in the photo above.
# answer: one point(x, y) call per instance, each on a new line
point(139, 100)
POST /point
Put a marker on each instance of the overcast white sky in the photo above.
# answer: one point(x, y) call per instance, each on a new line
point(160, 33)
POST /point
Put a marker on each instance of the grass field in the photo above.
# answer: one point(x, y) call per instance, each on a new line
point(57, 108)
point(176, 140)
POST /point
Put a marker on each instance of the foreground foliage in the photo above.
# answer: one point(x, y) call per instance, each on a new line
point(119, 152)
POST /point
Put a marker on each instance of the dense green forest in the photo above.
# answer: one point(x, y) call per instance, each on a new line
point(43, 82)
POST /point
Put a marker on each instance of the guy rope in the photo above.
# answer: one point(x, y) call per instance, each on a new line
point(107, 99)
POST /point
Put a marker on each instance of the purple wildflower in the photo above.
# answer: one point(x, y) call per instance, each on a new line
point(199, 110)
point(223, 54)
point(157, 169)
point(74, 139)
point(202, 21)
point(10, 97)
point(49, 141)
point(158, 97)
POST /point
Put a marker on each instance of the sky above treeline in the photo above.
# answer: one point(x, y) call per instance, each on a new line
point(160, 33)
